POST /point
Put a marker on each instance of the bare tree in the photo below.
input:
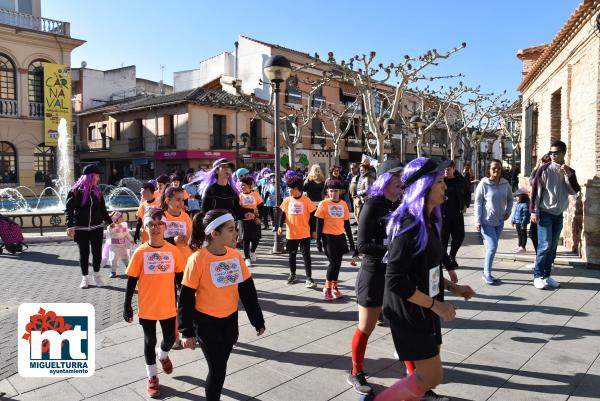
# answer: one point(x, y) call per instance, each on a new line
point(467, 103)
point(341, 122)
point(372, 83)
point(509, 119)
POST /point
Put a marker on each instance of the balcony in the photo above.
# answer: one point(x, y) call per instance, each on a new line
point(29, 21)
point(166, 142)
point(8, 108)
point(353, 107)
point(258, 143)
point(36, 110)
point(98, 145)
point(218, 141)
point(136, 144)
point(320, 102)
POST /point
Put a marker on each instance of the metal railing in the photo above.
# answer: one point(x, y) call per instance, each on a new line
point(8, 108)
point(36, 109)
point(29, 21)
point(258, 143)
point(97, 145)
point(136, 144)
point(166, 142)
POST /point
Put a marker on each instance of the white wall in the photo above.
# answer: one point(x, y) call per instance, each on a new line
point(252, 56)
point(207, 71)
point(102, 86)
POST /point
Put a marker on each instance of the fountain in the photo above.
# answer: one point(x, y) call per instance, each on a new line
point(64, 162)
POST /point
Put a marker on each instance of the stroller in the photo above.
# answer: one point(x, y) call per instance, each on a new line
point(11, 236)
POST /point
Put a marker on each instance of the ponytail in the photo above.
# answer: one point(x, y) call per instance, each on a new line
point(168, 192)
point(199, 223)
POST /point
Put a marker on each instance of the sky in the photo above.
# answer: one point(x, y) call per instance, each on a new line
point(178, 34)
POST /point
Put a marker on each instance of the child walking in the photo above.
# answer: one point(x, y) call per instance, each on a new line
point(179, 224)
point(520, 219)
point(154, 268)
point(333, 226)
point(149, 200)
point(118, 243)
point(270, 198)
point(215, 279)
point(298, 214)
point(250, 199)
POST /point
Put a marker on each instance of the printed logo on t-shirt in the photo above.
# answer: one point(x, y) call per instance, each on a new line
point(336, 211)
point(248, 200)
point(434, 281)
point(175, 228)
point(296, 208)
point(226, 272)
point(158, 262)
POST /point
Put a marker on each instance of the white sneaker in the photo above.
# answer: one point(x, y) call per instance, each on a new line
point(249, 262)
point(98, 280)
point(539, 283)
point(84, 282)
point(521, 250)
point(550, 282)
point(253, 256)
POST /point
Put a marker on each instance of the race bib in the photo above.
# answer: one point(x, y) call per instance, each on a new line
point(175, 228)
point(226, 272)
point(158, 262)
point(248, 200)
point(434, 281)
point(336, 211)
point(296, 208)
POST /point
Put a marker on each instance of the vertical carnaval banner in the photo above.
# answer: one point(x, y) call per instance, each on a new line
point(57, 100)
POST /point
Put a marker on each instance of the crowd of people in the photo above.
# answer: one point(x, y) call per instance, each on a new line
point(190, 276)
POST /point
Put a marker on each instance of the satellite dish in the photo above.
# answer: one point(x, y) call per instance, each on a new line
point(83, 64)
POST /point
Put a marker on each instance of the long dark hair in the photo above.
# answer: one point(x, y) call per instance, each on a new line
point(199, 223)
point(168, 192)
point(489, 166)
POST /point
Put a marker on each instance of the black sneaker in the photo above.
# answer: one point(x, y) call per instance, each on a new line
point(359, 382)
point(431, 396)
point(291, 279)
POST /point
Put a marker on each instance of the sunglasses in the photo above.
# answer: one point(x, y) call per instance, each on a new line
point(554, 153)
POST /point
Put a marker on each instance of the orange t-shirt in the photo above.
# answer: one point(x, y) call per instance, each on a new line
point(297, 216)
point(155, 269)
point(179, 225)
point(251, 200)
point(157, 196)
point(140, 214)
point(215, 279)
point(333, 214)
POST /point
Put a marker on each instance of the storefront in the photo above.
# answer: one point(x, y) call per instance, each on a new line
point(256, 161)
point(174, 160)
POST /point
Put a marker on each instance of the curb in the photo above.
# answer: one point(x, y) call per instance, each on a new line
point(47, 238)
point(559, 262)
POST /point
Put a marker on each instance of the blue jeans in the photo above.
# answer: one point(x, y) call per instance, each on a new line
point(491, 236)
point(548, 230)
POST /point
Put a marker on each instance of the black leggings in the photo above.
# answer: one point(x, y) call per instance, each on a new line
point(168, 330)
point(453, 226)
point(292, 247)
point(335, 248)
point(522, 233)
point(217, 337)
point(250, 245)
point(268, 211)
point(84, 239)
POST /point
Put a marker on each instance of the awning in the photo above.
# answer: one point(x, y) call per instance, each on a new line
point(258, 160)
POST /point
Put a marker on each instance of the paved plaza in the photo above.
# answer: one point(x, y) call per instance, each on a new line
point(511, 342)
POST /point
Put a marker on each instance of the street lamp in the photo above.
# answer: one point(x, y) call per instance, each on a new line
point(102, 131)
point(477, 138)
point(388, 126)
point(232, 141)
point(417, 123)
point(277, 69)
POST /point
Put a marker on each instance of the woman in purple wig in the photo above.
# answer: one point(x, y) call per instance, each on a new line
point(86, 211)
point(413, 300)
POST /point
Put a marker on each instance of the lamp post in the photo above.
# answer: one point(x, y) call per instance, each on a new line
point(416, 123)
point(477, 139)
point(102, 131)
point(277, 69)
point(388, 126)
point(232, 141)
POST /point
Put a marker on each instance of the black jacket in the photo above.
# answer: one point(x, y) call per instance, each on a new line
point(90, 215)
point(458, 195)
point(372, 229)
point(314, 190)
point(223, 197)
point(407, 272)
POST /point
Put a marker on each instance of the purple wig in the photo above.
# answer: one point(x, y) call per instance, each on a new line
point(85, 184)
point(209, 178)
point(379, 186)
point(264, 172)
point(414, 201)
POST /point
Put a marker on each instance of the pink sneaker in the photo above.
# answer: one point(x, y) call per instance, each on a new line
point(152, 387)
point(167, 365)
point(327, 294)
point(337, 294)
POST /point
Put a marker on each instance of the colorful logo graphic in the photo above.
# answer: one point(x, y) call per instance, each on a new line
point(56, 340)
point(225, 272)
point(296, 208)
point(158, 262)
point(336, 211)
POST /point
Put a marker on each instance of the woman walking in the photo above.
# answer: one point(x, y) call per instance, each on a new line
point(493, 204)
point(86, 211)
point(314, 185)
point(383, 199)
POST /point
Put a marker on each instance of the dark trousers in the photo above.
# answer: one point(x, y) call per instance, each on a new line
point(268, 212)
point(453, 226)
point(168, 330)
point(335, 248)
point(250, 245)
point(217, 337)
point(84, 239)
point(292, 248)
point(522, 234)
point(533, 234)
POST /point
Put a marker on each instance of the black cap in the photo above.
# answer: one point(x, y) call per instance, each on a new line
point(429, 167)
point(391, 166)
point(91, 169)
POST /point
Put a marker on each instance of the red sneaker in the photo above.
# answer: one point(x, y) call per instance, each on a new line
point(336, 293)
point(152, 387)
point(327, 294)
point(167, 365)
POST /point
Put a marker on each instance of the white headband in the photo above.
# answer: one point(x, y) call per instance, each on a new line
point(149, 219)
point(216, 223)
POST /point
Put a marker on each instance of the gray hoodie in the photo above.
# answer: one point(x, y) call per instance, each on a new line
point(492, 202)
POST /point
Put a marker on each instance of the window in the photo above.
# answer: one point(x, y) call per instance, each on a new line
point(219, 129)
point(318, 98)
point(117, 131)
point(530, 151)
point(7, 78)
point(317, 131)
point(292, 93)
point(8, 163)
point(256, 140)
point(35, 77)
point(555, 116)
point(91, 132)
point(43, 163)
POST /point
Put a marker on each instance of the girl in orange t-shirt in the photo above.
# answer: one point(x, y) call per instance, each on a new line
point(215, 278)
point(333, 226)
point(149, 200)
point(154, 268)
point(179, 224)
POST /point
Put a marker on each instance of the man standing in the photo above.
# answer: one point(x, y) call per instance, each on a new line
point(550, 190)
